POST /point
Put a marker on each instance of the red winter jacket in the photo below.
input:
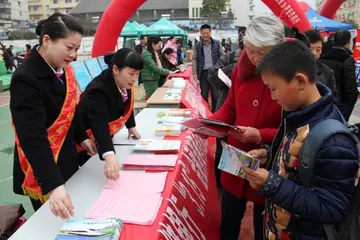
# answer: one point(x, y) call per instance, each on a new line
point(248, 104)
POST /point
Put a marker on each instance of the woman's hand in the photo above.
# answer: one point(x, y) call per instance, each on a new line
point(133, 133)
point(89, 146)
point(247, 134)
point(112, 168)
point(60, 203)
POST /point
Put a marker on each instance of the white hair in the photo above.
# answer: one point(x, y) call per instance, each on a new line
point(265, 31)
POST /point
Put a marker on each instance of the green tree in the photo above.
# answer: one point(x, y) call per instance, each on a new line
point(16, 35)
point(30, 35)
point(211, 7)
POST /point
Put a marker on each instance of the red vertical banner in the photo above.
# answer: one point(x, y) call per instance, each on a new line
point(290, 12)
point(356, 53)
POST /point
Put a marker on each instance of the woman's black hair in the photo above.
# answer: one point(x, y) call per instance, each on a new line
point(123, 58)
point(153, 40)
point(58, 26)
point(168, 51)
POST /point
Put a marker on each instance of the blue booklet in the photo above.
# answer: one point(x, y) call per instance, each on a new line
point(82, 74)
point(91, 229)
point(93, 66)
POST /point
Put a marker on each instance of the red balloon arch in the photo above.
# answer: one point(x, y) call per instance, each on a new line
point(119, 11)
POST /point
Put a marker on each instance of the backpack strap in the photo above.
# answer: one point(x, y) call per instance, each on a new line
point(313, 142)
point(312, 145)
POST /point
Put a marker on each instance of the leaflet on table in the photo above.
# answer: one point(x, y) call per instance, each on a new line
point(84, 228)
point(158, 145)
point(233, 160)
point(178, 83)
point(169, 130)
point(223, 77)
point(173, 94)
point(132, 207)
point(175, 113)
point(150, 162)
point(172, 120)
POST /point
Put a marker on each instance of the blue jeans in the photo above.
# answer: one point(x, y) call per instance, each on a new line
point(232, 212)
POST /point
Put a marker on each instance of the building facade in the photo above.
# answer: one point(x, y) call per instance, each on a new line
point(13, 12)
point(38, 9)
point(41, 9)
point(349, 10)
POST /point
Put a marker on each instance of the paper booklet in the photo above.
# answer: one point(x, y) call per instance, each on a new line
point(233, 160)
point(223, 77)
point(150, 162)
point(169, 130)
point(84, 228)
point(173, 94)
point(175, 113)
point(158, 146)
point(208, 127)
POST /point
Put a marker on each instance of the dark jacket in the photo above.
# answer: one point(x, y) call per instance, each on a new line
point(227, 64)
point(139, 48)
point(340, 60)
point(37, 96)
point(198, 56)
point(100, 104)
point(299, 210)
point(326, 76)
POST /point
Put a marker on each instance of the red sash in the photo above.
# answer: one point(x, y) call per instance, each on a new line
point(56, 136)
point(116, 125)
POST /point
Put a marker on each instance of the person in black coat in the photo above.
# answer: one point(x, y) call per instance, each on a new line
point(340, 60)
point(109, 98)
point(325, 74)
point(41, 95)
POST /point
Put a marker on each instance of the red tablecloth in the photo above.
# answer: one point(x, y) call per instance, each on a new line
point(190, 209)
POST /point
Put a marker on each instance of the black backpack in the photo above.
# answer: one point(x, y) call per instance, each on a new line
point(350, 228)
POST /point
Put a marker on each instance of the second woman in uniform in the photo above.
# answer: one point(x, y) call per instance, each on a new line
point(107, 105)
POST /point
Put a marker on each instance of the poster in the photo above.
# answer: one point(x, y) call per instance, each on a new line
point(82, 74)
point(93, 66)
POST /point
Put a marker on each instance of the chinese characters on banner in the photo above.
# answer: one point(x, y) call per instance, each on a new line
point(192, 99)
point(356, 55)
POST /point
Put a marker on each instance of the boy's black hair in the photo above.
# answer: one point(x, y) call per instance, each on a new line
point(142, 37)
point(205, 26)
point(314, 36)
point(288, 58)
point(342, 37)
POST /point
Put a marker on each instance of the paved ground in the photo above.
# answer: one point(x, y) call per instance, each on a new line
point(6, 162)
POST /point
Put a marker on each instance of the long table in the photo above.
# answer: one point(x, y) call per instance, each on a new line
point(190, 209)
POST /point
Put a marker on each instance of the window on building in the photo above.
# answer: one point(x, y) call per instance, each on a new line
point(197, 12)
point(68, 1)
point(200, 12)
point(35, 8)
point(19, 3)
point(67, 10)
point(55, 1)
point(20, 13)
point(193, 13)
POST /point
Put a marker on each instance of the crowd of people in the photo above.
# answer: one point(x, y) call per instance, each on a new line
point(282, 87)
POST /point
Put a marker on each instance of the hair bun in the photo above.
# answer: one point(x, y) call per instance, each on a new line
point(40, 27)
point(108, 58)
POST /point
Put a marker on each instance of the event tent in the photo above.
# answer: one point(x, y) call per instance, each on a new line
point(321, 23)
point(130, 30)
point(164, 27)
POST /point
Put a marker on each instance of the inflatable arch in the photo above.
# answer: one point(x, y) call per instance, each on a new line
point(330, 7)
point(119, 11)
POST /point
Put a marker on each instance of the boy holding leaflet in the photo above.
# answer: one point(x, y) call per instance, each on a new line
point(294, 211)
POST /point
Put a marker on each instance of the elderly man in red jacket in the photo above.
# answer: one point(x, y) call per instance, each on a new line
point(249, 106)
